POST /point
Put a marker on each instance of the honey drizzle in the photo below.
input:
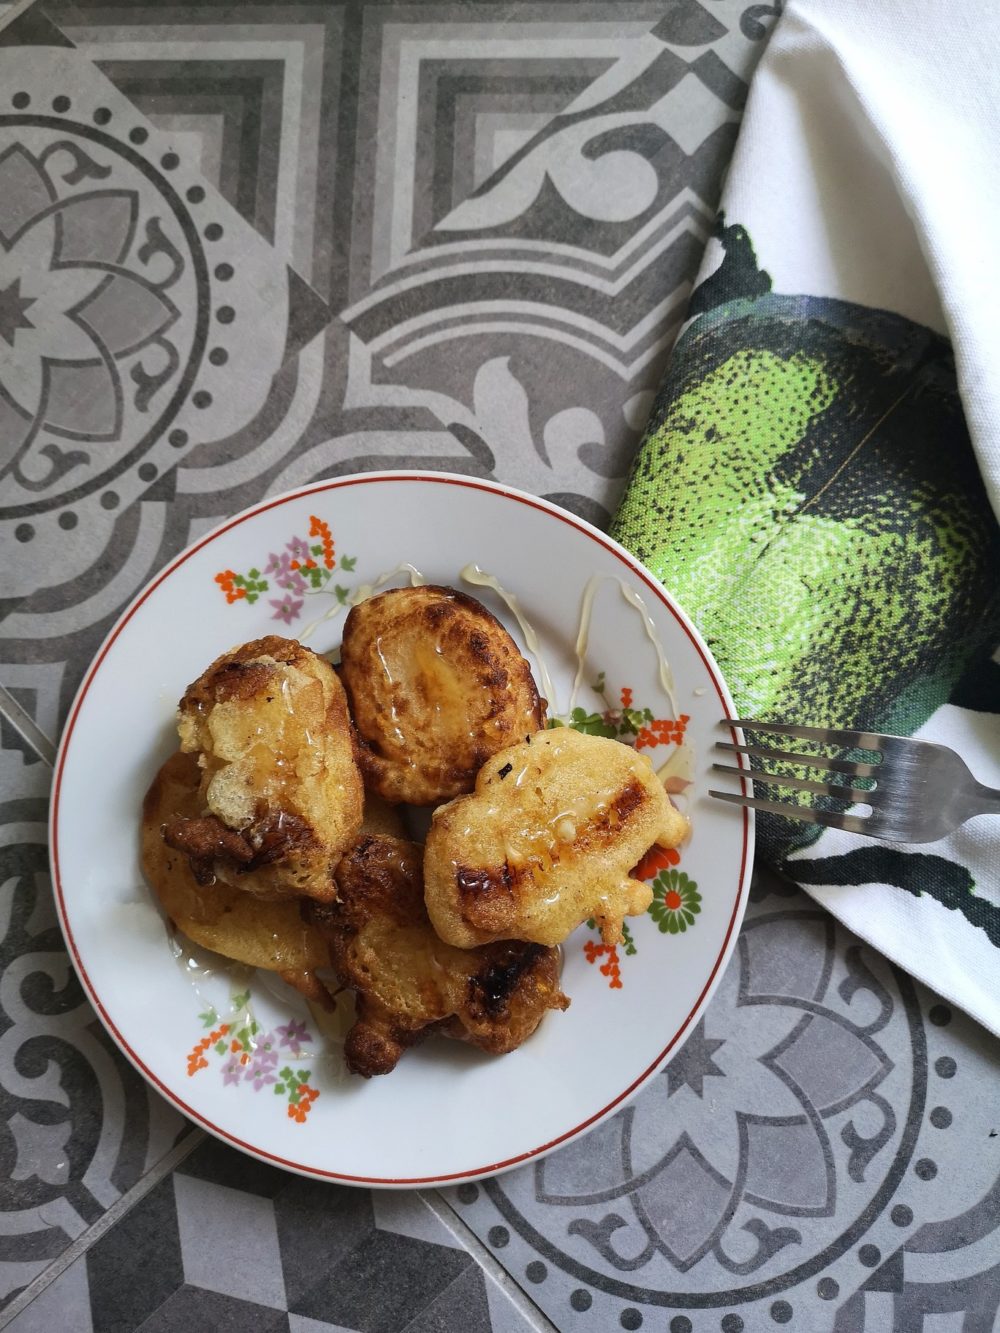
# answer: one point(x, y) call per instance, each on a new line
point(478, 578)
point(583, 637)
point(362, 593)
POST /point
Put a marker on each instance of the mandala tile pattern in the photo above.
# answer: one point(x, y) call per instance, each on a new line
point(334, 408)
point(126, 296)
point(782, 1160)
point(450, 238)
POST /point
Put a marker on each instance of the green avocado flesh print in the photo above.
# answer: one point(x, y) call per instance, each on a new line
point(807, 491)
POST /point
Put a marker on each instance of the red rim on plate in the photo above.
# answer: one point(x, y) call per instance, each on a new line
point(368, 479)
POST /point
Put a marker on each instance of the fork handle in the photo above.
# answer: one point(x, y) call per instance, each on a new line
point(987, 799)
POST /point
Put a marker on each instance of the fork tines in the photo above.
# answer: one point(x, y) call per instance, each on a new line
point(839, 790)
point(844, 740)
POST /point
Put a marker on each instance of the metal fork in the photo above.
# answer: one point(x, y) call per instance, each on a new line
point(921, 791)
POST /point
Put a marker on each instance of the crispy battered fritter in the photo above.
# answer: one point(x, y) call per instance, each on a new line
point(407, 982)
point(271, 935)
point(281, 793)
point(546, 842)
point(436, 685)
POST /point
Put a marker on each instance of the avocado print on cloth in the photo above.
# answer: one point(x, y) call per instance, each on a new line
point(808, 489)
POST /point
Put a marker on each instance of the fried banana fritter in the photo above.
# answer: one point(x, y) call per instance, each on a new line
point(270, 935)
point(546, 842)
point(436, 686)
point(281, 792)
point(407, 982)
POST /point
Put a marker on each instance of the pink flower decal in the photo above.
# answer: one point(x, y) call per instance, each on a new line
point(249, 1056)
point(287, 609)
point(303, 569)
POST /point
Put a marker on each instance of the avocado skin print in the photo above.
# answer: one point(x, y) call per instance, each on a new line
point(807, 490)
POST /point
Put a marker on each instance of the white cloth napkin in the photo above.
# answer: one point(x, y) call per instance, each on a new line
point(868, 169)
point(806, 486)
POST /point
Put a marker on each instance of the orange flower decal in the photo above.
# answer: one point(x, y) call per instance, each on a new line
point(317, 528)
point(612, 968)
point(249, 1055)
point(662, 731)
point(196, 1056)
point(655, 860)
point(303, 568)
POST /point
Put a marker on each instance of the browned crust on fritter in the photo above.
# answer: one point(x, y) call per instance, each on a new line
point(239, 673)
point(408, 983)
point(455, 691)
point(546, 841)
point(279, 834)
point(205, 841)
point(240, 926)
point(491, 895)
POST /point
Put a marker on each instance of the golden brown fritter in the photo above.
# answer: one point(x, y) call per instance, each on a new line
point(270, 935)
point(281, 792)
point(382, 818)
point(546, 842)
point(436, 685)
point(407, 982)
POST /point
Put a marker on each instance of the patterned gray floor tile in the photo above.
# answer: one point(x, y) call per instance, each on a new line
point(126, 1286)
point(384, 1284)
point(319, 1226)
point(807, 1153)
point(505, 1316)
point(298, 1323)
point(242, 94)
point(229, 1241)
point(193, 1310)
point(487, 128)
point(213, 1161)
point(80, 1126)
point(222, 1256)
point(463, 1305)
point(405, 1214)
point(63, 1305)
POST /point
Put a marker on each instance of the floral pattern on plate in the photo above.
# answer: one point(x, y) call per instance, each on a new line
point(302, 569)
point(250, 1055)
point(676, 900)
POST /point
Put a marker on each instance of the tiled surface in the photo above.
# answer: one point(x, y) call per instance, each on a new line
point(273, 1252)
point(270, 1249)
point(818, 1155)
point(462, 236)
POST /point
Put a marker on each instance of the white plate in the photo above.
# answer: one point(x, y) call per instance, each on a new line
point(447, 1113)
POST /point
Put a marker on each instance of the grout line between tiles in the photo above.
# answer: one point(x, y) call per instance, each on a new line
point(468, 1239)
point(26, 727)
point(103, 1224)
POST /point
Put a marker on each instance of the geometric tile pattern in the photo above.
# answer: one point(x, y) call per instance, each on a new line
point(463, 236)
point(227, 1243)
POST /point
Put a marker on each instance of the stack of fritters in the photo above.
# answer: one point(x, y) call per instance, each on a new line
point(271, 836)
point(408, 982)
